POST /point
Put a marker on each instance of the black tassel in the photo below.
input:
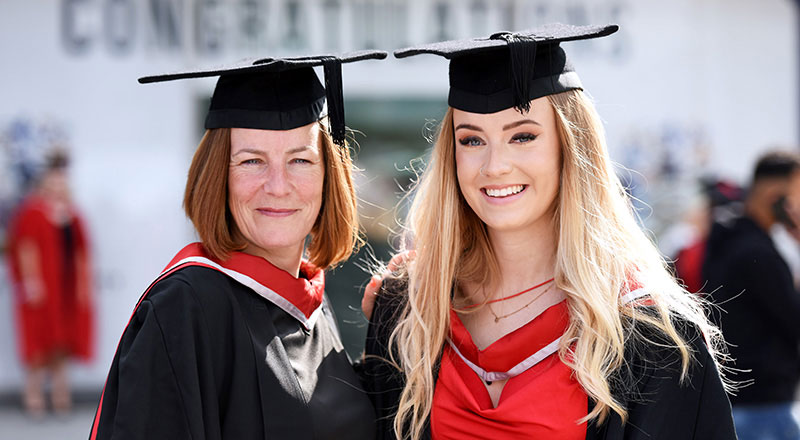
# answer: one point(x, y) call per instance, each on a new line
point(332, 67)
point(523, 56)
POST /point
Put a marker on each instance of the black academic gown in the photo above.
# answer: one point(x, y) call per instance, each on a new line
point(206, 357)
point(660, 407)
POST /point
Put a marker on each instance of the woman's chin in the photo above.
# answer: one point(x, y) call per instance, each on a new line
point(274, 247)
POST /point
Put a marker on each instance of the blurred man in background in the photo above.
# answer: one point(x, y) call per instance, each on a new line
point(760, 307)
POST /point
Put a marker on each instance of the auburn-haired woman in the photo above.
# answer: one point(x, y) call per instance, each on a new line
point(235, 339)
point(534, 306)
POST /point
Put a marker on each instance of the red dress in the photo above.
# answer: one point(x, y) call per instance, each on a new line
point(60, 324)
point(542, 399)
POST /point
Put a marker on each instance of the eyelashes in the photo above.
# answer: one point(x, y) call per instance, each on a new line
point(260, 162)
point(475, 141)
point(471, 141)
point(523, 137)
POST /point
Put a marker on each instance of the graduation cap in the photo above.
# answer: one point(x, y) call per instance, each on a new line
point(276, 93)
point(509, 69)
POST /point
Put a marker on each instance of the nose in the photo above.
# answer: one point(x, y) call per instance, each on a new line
point(497, 162)
point(276, 181)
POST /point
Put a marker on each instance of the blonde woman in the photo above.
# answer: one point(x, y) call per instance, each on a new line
point(534, 306)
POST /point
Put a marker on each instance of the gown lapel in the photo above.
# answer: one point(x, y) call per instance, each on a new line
point(283, 411)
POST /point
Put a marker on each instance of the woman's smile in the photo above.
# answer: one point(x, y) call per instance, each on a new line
point(501, 192)
point(276, 212)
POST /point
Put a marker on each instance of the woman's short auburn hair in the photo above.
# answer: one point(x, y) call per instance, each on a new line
point(335, 234)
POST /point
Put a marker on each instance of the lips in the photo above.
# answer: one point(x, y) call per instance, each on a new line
point(504, 191)
point(276, 212)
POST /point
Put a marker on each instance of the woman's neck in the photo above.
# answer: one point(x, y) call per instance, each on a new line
point(287, 259)
point(524, 257)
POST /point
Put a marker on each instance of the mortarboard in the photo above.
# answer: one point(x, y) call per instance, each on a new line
point(509, 69)
point(276, 93)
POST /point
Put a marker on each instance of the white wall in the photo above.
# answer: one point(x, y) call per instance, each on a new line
point(131, 146)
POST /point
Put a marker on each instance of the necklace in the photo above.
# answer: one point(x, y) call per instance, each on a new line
point(511, 296)
point(498, 318)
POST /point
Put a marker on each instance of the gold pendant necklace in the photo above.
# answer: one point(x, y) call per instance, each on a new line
point(498, 318)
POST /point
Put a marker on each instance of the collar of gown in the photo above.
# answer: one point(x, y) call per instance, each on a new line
point(519, 350)
point(299, 297)
point(516, 351)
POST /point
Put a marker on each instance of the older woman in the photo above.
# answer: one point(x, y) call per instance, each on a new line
point(235, 339)
point(535, 307)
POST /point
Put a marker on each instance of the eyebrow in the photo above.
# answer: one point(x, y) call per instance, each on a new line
point(505, 127)
point(520, 122)
point(468, 127)
point(247, 150)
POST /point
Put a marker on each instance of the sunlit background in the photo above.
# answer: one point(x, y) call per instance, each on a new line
point(687, 88)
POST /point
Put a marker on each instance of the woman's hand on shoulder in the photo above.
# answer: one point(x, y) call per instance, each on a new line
point(376, 282)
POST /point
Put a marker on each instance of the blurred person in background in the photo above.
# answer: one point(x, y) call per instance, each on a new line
point(534, 306)
point(236, 339)
point(50, 267)
point(720, 199)
point(760, 308)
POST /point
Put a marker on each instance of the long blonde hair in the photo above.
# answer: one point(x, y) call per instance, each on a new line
point(600, 252)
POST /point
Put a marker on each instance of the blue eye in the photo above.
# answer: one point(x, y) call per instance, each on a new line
point(471, 141)
point(251, 162)
point(300, 160)
point(523, 138)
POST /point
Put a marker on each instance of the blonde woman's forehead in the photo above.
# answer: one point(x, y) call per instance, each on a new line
point(541, 113)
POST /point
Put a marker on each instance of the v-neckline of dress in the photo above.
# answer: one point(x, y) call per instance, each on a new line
point(503, 354)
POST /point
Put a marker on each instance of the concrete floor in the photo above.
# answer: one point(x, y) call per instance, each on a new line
point(14, 424)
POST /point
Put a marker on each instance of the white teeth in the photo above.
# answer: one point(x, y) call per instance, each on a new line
point(503, 192)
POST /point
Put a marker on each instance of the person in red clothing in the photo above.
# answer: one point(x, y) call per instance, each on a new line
point(534, 306)
point(50, 267)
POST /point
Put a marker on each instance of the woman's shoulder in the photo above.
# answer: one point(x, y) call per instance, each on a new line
point(30, 213)
point(647, 341)
point(189, 305)
point(190, 288)
point(654, 360)
point(663, 399)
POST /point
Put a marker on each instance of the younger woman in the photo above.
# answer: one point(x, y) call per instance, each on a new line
point(535, 307)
